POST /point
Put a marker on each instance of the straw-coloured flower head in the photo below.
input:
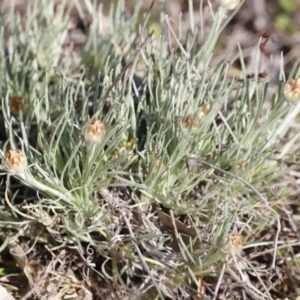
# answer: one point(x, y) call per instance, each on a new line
point(241, 165)
point(191, 121)
point(291, 90)
point(15, 161)
point(230, 4)
point(234, 244)
point(94, 132)
point(205, 108)
point(17, 104)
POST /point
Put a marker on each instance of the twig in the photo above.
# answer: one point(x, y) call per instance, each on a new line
point(175, 37)
point(253, 255)
point(219, 281)
point(188, 57)
point(228, 127)
point(287, 148)
point(293, 225)
point(283, 161)
point(282, 129)
point(247, 289)
point(129, 65)
point(145, 22)
point(263, 198)
point(289, 145)
point(42, 279)
point(238, 267)
point(145, 266)
point(181, 250)
point(258, 277)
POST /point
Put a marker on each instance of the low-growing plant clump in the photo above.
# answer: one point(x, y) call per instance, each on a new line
point(134, 166)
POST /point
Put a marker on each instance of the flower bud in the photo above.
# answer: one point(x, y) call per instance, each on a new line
point(205, 108)
point(94, 132)
point(17, 104)
point(234, 244)
point(241, 165)
point(291, 90)
point(15, 161)
point(230, 4)
point(191, 121)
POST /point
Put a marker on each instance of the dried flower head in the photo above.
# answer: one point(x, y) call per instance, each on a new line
point(234, 244)
point(94, 132)
point(15, 161)
point(241, 165)
point(291, 90)
point(205, 108)
point(230, 4)
point(17, 104)
point(191, 121)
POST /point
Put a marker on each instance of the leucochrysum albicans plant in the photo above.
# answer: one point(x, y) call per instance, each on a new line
point(184, 137)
